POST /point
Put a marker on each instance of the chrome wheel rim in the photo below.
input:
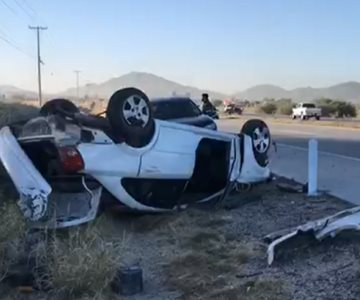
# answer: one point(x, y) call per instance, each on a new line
point(261, 139)
point(136, 111)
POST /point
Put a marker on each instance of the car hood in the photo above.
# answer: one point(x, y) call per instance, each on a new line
point(200, 121)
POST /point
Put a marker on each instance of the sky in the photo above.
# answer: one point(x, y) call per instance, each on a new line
point(222, 45)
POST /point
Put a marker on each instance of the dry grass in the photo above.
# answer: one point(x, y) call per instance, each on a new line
point(261, 289)
point(209, 262)
point(80, 262)
point(13, 112)
point(12, 232)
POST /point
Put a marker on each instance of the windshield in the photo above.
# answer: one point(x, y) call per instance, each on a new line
point(308, 105)
point(174, 109)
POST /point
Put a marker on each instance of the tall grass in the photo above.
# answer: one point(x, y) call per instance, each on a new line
point(80, 262)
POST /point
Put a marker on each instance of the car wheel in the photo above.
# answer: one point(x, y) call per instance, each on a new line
point(130, 116)
point(261, 139)
point(293, 117)
point(317, 118)
point(58, 106)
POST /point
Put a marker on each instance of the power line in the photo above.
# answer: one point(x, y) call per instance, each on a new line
point(30, 7)
point(4, 39)
point(24, 10)
point(9, 7)
point(40, 18)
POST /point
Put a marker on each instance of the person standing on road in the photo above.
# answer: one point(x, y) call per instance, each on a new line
point(207, 105)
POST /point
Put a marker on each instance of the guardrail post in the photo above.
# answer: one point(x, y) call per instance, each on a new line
point(313, 168)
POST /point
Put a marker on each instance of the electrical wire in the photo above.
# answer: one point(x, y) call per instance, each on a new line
point(8, 42)
point(24, 10)
point(9, 7)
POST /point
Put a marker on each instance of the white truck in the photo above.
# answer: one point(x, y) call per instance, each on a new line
point(305, 111)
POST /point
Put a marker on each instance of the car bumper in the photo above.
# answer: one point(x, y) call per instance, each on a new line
point(37, 201)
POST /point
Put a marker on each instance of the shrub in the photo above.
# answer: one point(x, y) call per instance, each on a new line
point(268, 108)
point(336, 108)
point(284, 106)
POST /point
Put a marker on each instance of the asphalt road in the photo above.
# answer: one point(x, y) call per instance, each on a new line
point(335, 140)
point(338, 157)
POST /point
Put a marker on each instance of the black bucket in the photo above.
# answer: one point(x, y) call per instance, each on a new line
point(128, 281)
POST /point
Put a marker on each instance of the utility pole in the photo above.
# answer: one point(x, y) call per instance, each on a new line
point(39, 61)
point(77, 82)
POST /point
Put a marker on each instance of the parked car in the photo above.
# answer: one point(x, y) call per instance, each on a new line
point(181, 110)
point(65, 163)
point(305, 111)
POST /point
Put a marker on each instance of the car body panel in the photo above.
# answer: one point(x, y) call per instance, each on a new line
point(30, 184)
point(330, 226)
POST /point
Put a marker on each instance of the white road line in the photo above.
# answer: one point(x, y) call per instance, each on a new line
point(321, 152)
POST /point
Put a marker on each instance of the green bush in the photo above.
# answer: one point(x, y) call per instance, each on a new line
point(267, 108)
point(336, 108)
point(284, 106)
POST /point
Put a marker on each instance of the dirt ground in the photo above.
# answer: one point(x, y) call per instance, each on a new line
point(219, 253)
point(210, 252)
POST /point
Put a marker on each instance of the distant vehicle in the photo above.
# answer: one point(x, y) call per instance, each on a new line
point(232, 108)
point(305, 111)
point(181, 110)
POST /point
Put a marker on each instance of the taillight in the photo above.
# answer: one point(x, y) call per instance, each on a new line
point(71, 160)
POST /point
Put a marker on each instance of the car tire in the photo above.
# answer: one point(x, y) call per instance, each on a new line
point(261, 139)
point(129, 114)
point(58, 106)
point(317, 118)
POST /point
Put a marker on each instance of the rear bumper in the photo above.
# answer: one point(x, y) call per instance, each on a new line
point(41, 204)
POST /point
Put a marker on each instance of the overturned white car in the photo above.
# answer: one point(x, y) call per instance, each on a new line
point(66, 164)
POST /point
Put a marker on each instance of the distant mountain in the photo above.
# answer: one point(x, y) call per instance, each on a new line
point(9, 91)
point(260, 92)
point(348, 91)
point(152, 85)
point(156, 86)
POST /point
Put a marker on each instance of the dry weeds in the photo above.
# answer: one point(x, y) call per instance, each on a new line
point(80, 262)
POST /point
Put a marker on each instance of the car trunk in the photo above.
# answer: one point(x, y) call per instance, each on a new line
point(51, 147)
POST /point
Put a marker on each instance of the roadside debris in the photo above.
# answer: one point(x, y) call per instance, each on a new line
point(128, 281)
point(348, 219)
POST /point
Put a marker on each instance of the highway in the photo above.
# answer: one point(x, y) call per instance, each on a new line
point(339, 155)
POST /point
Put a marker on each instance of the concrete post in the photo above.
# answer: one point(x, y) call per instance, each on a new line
point(313, 168)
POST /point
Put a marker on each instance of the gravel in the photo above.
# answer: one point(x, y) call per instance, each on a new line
point(309, 270)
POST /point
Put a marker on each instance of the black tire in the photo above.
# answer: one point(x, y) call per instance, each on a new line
point(58, 106)
point(317, 118)
point(138, 128)
point(252, 128)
